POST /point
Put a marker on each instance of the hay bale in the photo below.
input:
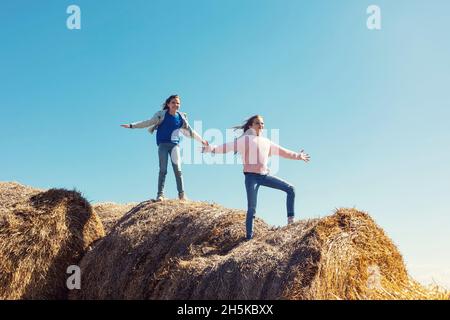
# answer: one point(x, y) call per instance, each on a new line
point(110, 212)
point(194, 250)
point(42, 232)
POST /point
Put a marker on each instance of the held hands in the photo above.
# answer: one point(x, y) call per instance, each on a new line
point(304, 156)
point(206, 147)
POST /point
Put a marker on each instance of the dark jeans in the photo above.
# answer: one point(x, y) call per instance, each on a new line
point(252, 183)
point(164, 150)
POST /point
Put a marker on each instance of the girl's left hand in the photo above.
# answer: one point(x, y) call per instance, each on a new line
point(304, 156)
point(205, 143)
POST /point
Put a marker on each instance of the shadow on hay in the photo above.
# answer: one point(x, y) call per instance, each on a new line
point(305, 262)
point(53, 284)
point(230, 281)
point(197, 254)
point(177, 241)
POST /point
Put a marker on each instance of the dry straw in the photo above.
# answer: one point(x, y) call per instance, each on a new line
point(196, 250)
point(110, 212)
point(41, 234)
point(190, 250)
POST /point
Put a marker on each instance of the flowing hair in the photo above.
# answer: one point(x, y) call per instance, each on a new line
point(165, 105)
point(247, 123)
point(245, 126)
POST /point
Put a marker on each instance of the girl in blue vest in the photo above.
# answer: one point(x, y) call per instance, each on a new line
point(169, 122)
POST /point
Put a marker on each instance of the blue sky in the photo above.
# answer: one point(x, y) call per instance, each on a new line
point(371, 107)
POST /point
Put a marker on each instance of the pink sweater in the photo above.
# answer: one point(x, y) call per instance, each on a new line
point(255, 151)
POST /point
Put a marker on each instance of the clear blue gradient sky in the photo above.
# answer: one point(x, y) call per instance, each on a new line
point(371, 107)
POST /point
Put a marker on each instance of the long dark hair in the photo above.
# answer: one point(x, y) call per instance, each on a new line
point(165, 105)
point(247, 123)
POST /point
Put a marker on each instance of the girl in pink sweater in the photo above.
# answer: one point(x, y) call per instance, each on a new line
point(255, 151)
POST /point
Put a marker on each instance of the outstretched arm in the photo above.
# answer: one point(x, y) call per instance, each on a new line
point(224, 148)
point(288, 154)
point(142, 124)
point(189, 132)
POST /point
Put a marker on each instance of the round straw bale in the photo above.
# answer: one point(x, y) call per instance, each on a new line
point(42, 232)
point(196, 250)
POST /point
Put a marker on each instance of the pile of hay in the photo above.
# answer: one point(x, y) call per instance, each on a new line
point(42, 232)
point(110, 212)
point(194, 250)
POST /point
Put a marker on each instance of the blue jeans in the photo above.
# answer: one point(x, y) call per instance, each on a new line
point(164, 150)
point(252, 183)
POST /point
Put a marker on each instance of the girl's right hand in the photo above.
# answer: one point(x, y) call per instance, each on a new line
point(125, 125)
